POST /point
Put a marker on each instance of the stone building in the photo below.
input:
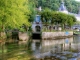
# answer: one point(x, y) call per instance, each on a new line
point(63, 9)
point(37, 24)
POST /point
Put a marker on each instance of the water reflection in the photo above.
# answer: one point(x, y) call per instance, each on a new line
point(41, 48)
point(3, 50)
point(44, 47)
point(8, 50)
point(36, 45)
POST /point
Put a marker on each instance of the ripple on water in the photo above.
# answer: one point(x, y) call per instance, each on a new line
point(73, 59)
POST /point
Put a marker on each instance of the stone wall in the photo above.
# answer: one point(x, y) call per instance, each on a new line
point(47, 35)
point(23, 36)
point(53, 35)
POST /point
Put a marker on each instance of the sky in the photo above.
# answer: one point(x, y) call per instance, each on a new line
point(78, 0)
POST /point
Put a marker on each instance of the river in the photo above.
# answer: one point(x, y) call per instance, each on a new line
point(65, 49)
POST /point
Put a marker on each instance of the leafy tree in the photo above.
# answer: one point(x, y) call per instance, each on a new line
point(77, 22)
point(46, 16)
point(32, 9)
point(13, 13)
point(71, 5)
point(71, 20)
point(62, 19)
point(58, 18)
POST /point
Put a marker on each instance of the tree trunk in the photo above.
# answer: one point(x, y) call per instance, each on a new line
point(2, 28)
point(63, 27)
point(0, 33)
point(46, 28)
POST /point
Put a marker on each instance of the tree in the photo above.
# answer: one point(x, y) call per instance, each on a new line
point(32, 9)
point(71, 20)
point(46, 16)
point(13, 13)
point(58, 18)
point(62, 19)
point(77, 22)
point(71, 5)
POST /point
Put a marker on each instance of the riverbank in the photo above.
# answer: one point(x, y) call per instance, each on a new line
point(56, 35)
point(41, 50)
point(47, 35)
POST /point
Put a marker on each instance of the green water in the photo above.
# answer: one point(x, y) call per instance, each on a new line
point(14, 50)
point(23, 50)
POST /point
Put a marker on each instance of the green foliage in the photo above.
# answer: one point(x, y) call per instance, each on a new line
point(22, 30)
point(32, 9)
point(71, 20)
point(62, 18)
point(71, 5)
point(57, 18)
point(14, 13)
point(46, 16)
point(77, 22)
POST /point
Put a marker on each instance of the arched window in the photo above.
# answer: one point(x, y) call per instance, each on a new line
point(38, 28)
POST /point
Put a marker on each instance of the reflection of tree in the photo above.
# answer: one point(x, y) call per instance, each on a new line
point(3, 49)
point(12, 49)
point(61, 47)
point(3, 52)
point(70, 46)
point(12, 46)
point(76, 39)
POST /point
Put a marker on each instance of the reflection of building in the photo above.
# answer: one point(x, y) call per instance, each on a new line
point(37, 24)
point(36, 45)
point(64, 10)
point(45, 47)
point(48, 45)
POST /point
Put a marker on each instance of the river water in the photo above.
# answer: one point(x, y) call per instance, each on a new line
point(65, 49)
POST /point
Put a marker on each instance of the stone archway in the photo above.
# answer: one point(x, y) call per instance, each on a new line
point(38, 28)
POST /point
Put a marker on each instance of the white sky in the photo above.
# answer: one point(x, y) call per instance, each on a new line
point(77, 0)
